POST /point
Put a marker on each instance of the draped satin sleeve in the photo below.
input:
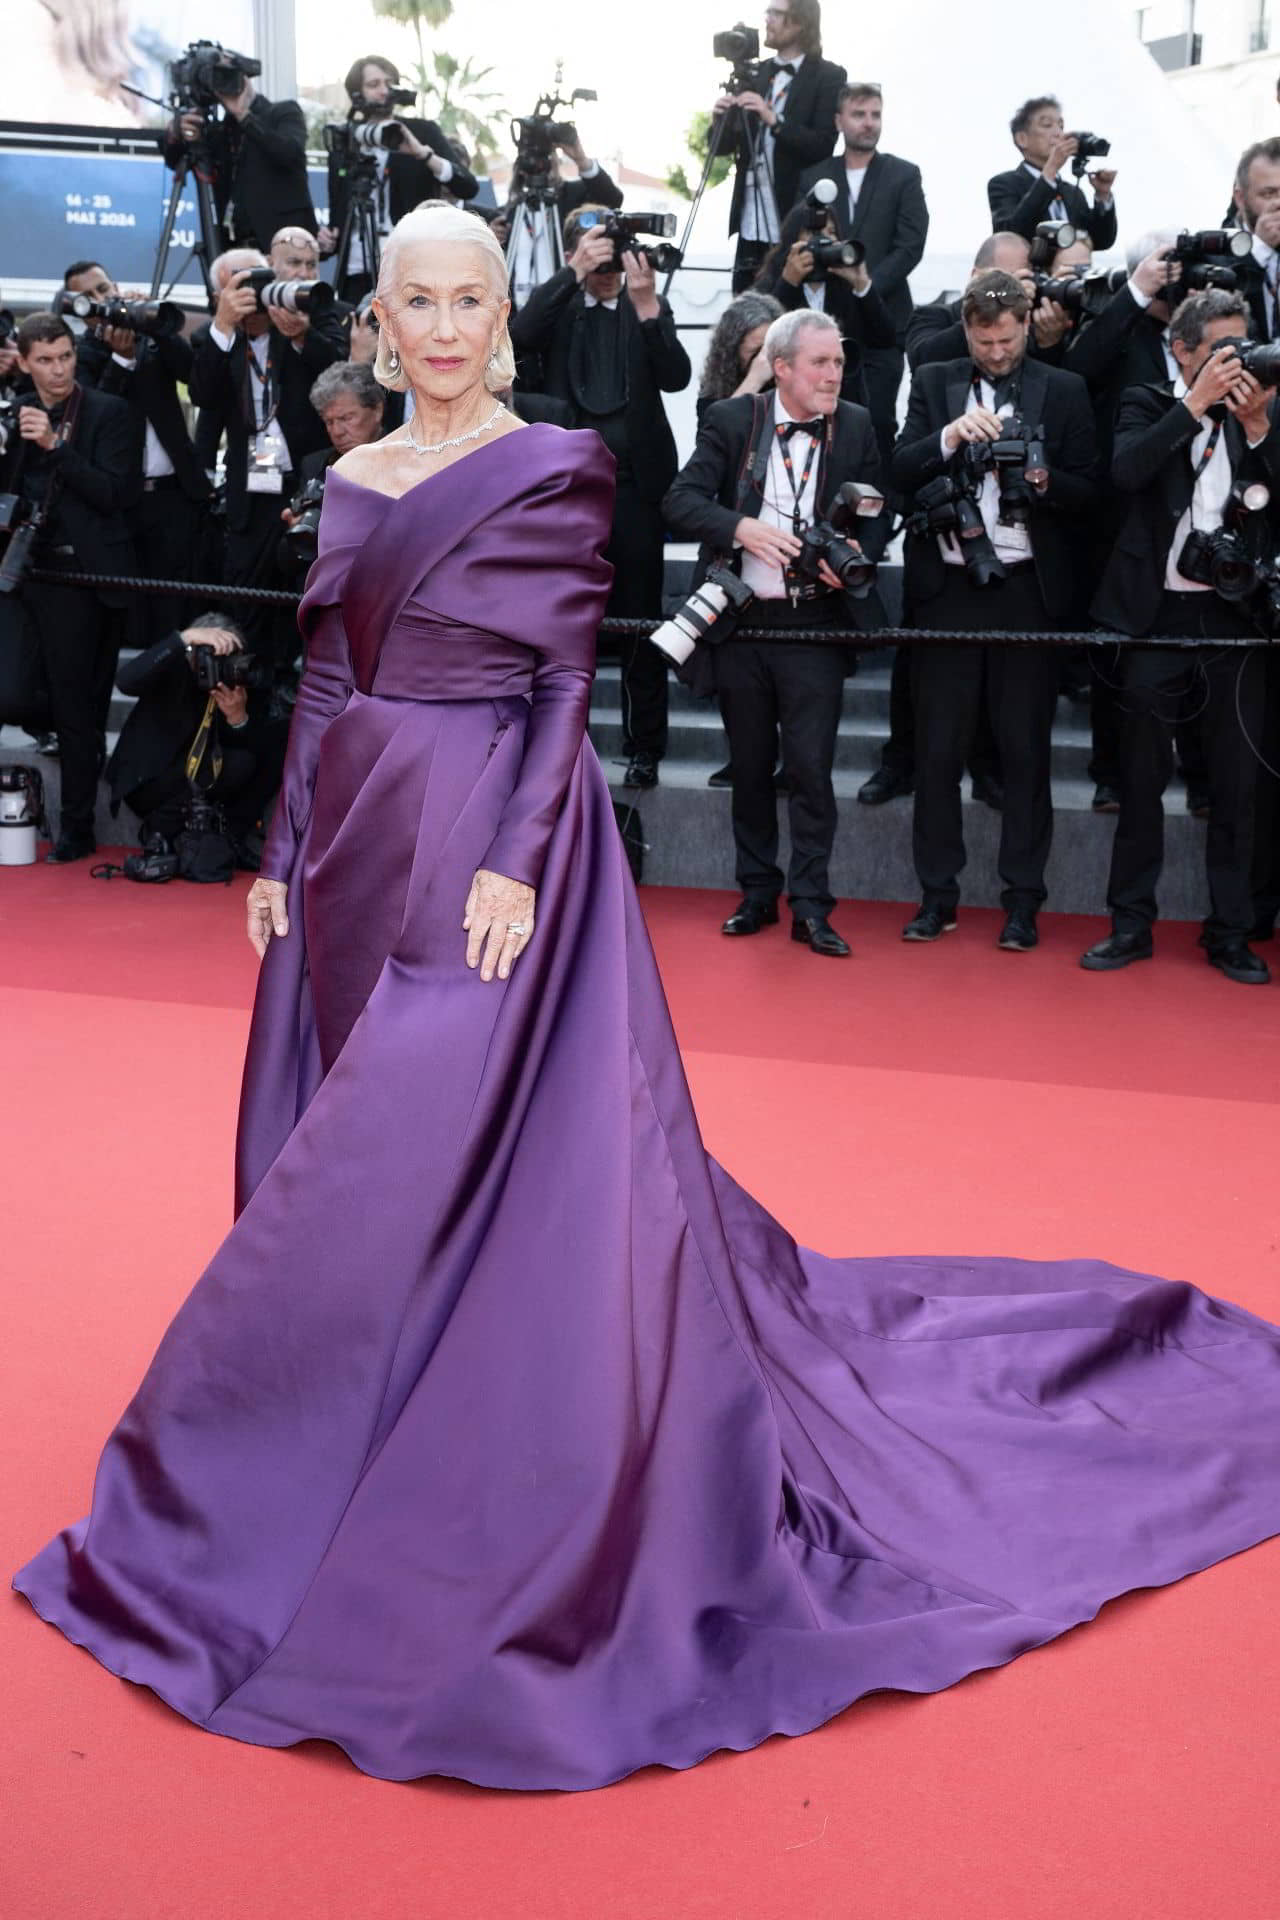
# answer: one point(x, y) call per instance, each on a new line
point(326, 683)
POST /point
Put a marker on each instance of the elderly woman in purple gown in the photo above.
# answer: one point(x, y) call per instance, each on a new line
point(505, 1436)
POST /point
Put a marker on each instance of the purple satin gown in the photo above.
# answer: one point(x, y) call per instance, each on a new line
point(506, 1437)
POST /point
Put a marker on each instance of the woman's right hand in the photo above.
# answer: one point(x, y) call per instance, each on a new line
point(799, 262)
point(267, 916)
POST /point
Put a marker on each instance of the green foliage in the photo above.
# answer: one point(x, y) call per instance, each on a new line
point(698, 139)
point(463, 106)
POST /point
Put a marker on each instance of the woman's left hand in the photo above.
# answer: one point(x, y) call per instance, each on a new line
point(498, 922)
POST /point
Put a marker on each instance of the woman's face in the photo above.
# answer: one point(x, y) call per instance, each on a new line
point(443, 316)
point(750, 345)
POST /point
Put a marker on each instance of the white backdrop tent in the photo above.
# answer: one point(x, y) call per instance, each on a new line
point(953, 121)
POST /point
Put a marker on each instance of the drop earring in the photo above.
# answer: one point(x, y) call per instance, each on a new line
point(393, 361)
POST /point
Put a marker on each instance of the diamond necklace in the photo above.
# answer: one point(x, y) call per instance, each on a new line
point(439, 446)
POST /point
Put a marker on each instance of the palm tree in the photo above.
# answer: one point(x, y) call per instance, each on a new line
point(413, 13)
point(463, 105)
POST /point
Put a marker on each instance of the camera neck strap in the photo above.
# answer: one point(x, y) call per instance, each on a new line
point(261, 387)
point(1198, 466)
point(1012, 384)
point(64, 432)
point(204, 755)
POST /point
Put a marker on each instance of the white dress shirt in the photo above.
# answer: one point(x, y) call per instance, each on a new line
point(1057, 208)
point(1012, 544)
point(777, 508)
point(156, 463)
point(589, 299)
point(854, 177)
point(749, 226)
point(1209, 496)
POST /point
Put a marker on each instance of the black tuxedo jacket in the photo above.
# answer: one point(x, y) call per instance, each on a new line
point(259, 170)
point(656, 364)
point(1052, 399)
point(221, 388)
point(723, 481)
point(409, 180)
point(891, 221)
point(99, 478)
point(150, 389)
point(1252, 284)
point(1151, 466)
point(804, 135)
point(1019, 201)
point(159, 729)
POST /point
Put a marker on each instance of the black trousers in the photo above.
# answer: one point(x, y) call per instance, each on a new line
point(243, 789)
point(1021, 692)
point(167, 529)
point(78, 647)
point(1266, 846)
point(1106, 725)
point(251, 561)
point(898, 753)
point(635, 554)
point(747, 261)
point(767, 687)
point(1228, 685)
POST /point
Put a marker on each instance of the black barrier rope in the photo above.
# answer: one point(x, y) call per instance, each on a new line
point(833, 636)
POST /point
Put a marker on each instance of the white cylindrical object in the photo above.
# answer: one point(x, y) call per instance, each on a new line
point(17, 843)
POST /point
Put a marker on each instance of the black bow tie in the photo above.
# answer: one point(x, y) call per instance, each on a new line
point(784, 66)
point(814, 427)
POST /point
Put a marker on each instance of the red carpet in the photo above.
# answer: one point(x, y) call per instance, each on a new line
point(941, 1099)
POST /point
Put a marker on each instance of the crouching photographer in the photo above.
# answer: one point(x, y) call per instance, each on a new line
point(998, 460)
point(351, 404)
point(776, 492)
point(1199, 463)
point(200, 754)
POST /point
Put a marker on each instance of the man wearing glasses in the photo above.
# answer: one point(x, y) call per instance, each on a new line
point(785, 124)
point(1013, 569)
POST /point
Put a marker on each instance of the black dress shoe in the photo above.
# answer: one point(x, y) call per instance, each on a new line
point(1239, 962)
point(930, 924)
point(642, 771)
point(1106, 799)
point(883, 785)
point(1117, 950)
point(987, 789)
point(821, 936)
point(1198, 802)
point(750, 915)
point(71, 846)
point(722, 777)
point(1018, 934)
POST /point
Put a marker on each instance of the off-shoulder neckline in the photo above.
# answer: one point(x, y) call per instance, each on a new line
point(487, 446)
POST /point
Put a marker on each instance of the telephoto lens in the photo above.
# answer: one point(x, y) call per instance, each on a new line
point(709, 615)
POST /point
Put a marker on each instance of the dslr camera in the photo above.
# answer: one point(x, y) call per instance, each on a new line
point(153, 319)
point(1049, 239)
point(829, 540)
point(740, 46)
point(1209, 258)
point(227, 669)
point(299, 541)
point(288, 296)
point(1228, 559)
point(21, 526)
point(1089, 146)
point(826, 249)
point(1018, 460)
point(206, 70)
point(624, 228)
point(536, 138)
point(708, 616)
point(1083, 294)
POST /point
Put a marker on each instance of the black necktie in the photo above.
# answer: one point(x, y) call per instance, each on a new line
point(814, 427)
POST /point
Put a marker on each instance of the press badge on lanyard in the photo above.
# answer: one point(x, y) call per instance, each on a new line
point(269, 461)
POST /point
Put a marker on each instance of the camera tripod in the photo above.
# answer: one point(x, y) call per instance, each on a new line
point(535, 206)
point(760, 166)
point(360, 223)
point(193, 165)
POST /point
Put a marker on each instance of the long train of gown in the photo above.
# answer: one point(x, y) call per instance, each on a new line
point(506, 1437)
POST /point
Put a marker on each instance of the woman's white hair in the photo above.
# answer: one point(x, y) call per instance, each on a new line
point(783, 337)
point(437, 222)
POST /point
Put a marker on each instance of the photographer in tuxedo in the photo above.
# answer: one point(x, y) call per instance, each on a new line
point(793, 275)
point(764, 468)
point(251, 376)
point(417, 167)
point(1035, 191)
point(1015, 570)
point(607, 345)
point(1182, 449)
point(166, 523)
point(76, 460)
point(784, 123)
point(1257, 204)
point(258, 155)
point(880, 203)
